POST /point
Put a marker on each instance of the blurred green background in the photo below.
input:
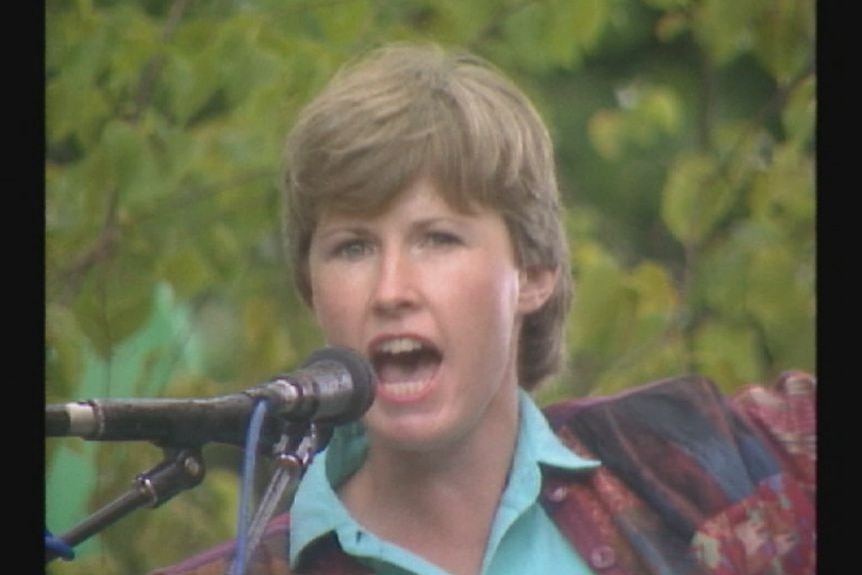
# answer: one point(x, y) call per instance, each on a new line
point(685, 133)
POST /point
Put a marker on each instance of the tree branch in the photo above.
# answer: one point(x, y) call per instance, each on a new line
point(153, 67)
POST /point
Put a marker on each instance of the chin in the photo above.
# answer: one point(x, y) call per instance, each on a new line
point(412, 433)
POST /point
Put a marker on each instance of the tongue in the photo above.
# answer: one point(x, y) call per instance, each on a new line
point(405, 368)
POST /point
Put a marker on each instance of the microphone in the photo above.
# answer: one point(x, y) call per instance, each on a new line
point(335, 385)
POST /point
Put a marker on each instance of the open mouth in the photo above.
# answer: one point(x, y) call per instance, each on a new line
point(405, 367)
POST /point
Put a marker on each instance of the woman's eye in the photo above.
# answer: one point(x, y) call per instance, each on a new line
point(441, 239)
point(352, 249)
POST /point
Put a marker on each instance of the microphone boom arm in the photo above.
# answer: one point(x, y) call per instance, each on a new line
point(181, 469)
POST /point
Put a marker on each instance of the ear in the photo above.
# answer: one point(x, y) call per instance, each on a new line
point(536, 286)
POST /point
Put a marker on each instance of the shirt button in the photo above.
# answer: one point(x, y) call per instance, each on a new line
point(603, 557)
point(558, 493)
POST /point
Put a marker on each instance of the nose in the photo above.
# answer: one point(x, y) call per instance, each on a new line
point(395, 288)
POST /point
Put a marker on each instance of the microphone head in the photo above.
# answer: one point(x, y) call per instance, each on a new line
point(361, 375)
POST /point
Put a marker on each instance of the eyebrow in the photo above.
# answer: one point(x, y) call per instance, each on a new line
point(360, 225)
point(324, 232)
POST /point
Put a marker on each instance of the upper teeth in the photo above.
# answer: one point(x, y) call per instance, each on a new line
point(399, 345)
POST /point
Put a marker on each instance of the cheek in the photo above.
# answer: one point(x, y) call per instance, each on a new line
point(332, 305)
point(502, 284)
point(489, 298)
point(488, 321)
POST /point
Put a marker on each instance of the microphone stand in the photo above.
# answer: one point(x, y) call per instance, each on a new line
point(181, 469)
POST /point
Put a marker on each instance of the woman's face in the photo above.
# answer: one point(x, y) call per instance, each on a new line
point(434, 298)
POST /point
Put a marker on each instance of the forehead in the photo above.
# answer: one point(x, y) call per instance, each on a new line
point(423, 197)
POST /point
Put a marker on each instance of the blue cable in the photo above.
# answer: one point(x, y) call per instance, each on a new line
point(249, 462)
point(58, 546)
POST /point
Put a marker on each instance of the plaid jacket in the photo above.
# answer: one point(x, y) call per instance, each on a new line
point(692, 482)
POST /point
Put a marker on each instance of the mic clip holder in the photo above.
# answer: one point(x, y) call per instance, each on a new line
point(299, 442)
point(293, 453)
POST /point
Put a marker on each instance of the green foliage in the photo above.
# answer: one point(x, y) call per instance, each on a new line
point(695, 198)
point(685, 137)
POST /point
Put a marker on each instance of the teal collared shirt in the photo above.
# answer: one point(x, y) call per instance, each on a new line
point(523, 538)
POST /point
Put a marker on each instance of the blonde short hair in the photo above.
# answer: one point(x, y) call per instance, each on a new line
point(406, 111)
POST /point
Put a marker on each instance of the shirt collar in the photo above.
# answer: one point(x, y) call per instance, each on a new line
point(317, 510)
point(538, 442)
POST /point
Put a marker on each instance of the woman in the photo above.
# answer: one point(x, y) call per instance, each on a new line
point(424, 227)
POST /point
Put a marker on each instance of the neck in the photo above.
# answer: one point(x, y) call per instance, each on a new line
point(454, 490)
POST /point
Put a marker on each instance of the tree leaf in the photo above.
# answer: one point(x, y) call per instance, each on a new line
point(724, 29)
point(799, 115)
point(695, 198)
point(114, 302)
point(727, 353)
point(64, 349)
point(603, 307)
point(784, 37)
point(781, 299)
point(186, 270)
